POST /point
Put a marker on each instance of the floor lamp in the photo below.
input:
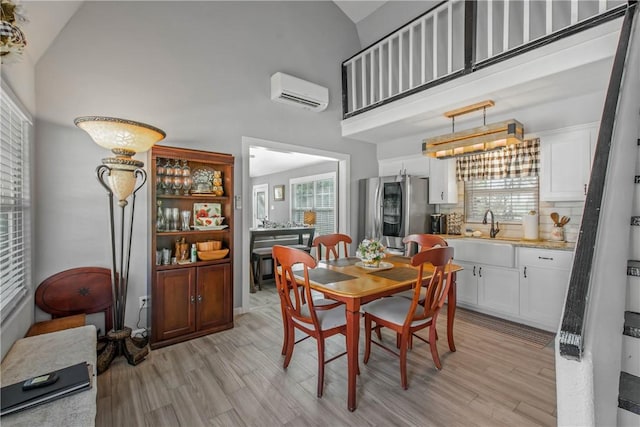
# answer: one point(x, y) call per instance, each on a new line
point(122, 176)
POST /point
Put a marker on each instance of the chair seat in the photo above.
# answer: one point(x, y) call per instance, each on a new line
point(393, 310)
point(327, 319)
point(262, 252)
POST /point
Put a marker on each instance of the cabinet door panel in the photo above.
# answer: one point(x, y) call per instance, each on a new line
point(542, 295)
point(443, 187)
point(467, 283)
point(213, 296)
point(173, 309)
point(565, 165)
point(498, 289)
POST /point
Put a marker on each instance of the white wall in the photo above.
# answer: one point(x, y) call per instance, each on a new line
point(198, 70)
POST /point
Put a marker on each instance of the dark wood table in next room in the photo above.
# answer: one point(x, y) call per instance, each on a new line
point(364, 287)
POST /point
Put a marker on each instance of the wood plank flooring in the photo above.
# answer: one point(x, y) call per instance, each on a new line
point(235, 378)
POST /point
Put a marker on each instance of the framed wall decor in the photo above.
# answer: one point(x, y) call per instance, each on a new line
point(278, 193)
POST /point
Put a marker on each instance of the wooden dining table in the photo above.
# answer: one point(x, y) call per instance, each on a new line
point(343, 280)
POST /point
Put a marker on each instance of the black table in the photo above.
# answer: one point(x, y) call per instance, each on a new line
point(266, 238)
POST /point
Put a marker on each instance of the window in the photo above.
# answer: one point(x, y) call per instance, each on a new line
point(316, 193)
point(14, 203)
point(508, 198)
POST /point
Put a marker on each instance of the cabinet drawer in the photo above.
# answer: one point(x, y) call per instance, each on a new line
point(545, 258)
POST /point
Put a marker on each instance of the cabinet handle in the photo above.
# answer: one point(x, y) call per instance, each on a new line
point(546, 257)
point(193, 299)
point(474, 270)
point(525, 271)
point(442, 195)
point(199, 299)
point(480, 271)
point(585, 189)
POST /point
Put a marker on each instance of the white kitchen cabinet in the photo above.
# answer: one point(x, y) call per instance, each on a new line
point(544, 278)
point(498, 289)
point(466, 283)
point(443, 187)
point(565, 163)
point(488, 287)
point(417, 165)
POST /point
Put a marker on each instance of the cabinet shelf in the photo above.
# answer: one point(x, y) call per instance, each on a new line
point(192, 196)
point(192, 264)
point(190, 232)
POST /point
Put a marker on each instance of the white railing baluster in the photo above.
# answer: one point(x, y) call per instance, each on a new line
point(410, 58)
point(354, 91)
point(549, 17)
point(449, 37)
point(423, 51)
point(574, 11)
point(435, 46)
point(380, 71)
point(363, 82)
point(602, 6)
point(400, 70)
point(489, 28)
point(390, 65)
point(372, 81)
point(505, 27)
point(525, 21)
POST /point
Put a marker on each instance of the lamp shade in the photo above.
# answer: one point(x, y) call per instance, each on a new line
point(120, 134)
point(309, 218)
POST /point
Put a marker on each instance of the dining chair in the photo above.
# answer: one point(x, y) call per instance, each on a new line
point(424, 241)
point(317, 319)
point(406, 317)
point(331, 242)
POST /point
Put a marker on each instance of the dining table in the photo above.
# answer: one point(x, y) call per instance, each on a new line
point(347, 280)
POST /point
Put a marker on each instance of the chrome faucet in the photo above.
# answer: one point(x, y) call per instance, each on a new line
point(494, 230)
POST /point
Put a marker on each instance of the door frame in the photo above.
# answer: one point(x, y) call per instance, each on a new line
point(256, 189)
point(344, 196)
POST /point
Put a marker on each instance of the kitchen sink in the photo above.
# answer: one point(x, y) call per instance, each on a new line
point(484, 250)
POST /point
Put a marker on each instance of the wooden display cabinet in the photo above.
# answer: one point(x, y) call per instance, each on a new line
point(190, 299)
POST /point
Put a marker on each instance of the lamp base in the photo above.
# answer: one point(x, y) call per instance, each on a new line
point(120, 343)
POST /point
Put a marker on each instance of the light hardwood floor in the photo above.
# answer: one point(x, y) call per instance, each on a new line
point(235, 378)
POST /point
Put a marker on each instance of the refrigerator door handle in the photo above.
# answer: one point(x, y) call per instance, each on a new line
point(377, 218)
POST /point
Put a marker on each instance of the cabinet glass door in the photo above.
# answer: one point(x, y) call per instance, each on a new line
point(392, 214)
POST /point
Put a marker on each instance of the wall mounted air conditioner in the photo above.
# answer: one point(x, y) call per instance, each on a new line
point(294, 91)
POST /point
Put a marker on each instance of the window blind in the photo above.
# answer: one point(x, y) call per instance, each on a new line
point(508, 198)
point(316, 193)
point(14, 203)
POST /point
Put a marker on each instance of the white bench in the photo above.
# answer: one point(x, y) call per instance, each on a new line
point(40, 354)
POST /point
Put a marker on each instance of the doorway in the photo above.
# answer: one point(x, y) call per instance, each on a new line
point(290, 151)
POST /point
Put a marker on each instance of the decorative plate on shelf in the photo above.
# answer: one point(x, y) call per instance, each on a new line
point(206, 210)
point(202, 180)
point(382, 266)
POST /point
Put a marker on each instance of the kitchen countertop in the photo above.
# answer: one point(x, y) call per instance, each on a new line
point(537, 244)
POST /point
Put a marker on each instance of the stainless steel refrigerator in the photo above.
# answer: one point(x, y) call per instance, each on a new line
point(392, 207)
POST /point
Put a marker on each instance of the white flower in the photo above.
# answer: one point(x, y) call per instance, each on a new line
point(370, 250)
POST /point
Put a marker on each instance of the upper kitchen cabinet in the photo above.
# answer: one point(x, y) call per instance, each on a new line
point(565, 163)
point(443, 187)
point(417, 165)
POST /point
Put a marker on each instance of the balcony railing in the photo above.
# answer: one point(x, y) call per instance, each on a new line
point(457, 37)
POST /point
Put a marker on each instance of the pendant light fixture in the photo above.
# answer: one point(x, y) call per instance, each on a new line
point(490, 137)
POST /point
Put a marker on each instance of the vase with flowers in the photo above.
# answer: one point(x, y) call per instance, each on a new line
point(371, 252)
